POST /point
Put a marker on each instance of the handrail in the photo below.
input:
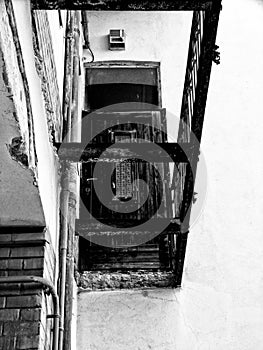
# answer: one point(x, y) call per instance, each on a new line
point(52, 290)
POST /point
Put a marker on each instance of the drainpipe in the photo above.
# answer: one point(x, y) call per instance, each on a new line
point(70, 176)
point(64, 197)
point(85, 26)
point(75, 135)
point(85, 29)
point(68, 73)
point(51, 289)
point(63, 249)
point(75, 122)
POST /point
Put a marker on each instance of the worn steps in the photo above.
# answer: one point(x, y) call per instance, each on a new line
point(149, 256)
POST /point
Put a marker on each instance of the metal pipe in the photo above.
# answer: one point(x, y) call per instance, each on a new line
point(74, 130)
point(70, 113)
point(63, 250)
point(85, 29)
point(73, 176)
point(64, 199)
point(85, 26)
point(52, 290)
point(68, 72)
point(69, 275)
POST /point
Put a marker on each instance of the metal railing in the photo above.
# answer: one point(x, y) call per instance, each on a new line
point(193, 63)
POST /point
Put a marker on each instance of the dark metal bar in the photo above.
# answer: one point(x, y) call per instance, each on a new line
point(190, 77)
point(181, 242)
point(209, 26)
point(204, 71)
point(163, 152)
point(128, 5)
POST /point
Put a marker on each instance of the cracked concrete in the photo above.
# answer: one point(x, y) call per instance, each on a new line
point(102, 280)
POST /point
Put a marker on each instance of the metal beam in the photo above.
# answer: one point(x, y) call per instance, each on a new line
point(123, 5)
point(204, 71)
point(152, 152)
point(210, 25)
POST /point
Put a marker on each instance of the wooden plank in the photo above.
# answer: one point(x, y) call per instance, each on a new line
point(88, 228)
point(124, 266)
point(123, 5)
point(162, 152)
point(104, 75)
point(102, 259)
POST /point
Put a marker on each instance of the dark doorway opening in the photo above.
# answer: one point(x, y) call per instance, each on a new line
point(102, 95)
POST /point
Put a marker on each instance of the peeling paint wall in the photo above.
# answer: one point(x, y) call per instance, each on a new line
point(15, 83)
point(20, 201)
point(48, 165)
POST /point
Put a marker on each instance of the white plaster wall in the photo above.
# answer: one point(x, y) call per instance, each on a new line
point(47, 161)
point(220, 305)
point(225, 247)
point(20, 203)
point(151, 36)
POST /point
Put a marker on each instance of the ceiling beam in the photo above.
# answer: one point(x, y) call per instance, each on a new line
point(124, 5)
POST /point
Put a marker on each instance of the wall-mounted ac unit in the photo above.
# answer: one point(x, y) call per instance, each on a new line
point(117, 39)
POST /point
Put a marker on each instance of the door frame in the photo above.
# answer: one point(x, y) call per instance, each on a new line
point(131, 64)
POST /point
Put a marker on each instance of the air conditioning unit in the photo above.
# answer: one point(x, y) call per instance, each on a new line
point(117, 39)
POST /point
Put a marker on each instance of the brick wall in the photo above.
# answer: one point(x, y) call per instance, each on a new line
point(24, 306)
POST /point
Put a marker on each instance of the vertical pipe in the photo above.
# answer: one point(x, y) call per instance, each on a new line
point(68, 72)
point(63, 250)
point(74, 132)
point(64, 197)
point(70, 258)
point(75, 81)
point(70, 100)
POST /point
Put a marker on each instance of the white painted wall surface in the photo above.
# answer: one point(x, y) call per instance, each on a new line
point(151, 36)
point(226, 246)
point(220, 305)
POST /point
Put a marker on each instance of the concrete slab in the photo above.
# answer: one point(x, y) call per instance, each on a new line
point(160, 319)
